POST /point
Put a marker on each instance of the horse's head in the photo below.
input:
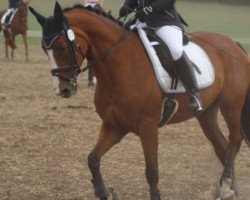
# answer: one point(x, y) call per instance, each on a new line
point(23, 9)
point(58, 42)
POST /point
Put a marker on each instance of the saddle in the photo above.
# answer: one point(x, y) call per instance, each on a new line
point(169, 105)
point(7, 18)
point(164, 54)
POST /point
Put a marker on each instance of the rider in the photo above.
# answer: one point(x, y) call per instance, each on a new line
point(162, 17)
point(13, 5)
point(93, 3)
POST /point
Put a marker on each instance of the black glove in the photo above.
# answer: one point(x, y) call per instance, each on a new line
point(142, 14)
point(124, 11)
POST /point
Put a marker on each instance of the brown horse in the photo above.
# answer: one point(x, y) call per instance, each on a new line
point(19, 25)
point(128, 97)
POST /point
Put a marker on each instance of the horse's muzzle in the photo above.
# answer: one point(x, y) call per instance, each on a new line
point(68, 92)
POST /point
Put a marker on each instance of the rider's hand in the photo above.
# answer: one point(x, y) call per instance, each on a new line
point(142, 14)
point(124, 11)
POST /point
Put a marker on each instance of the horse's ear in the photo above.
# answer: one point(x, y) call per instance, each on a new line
point(27, 2)
point(58, 13)
point(41, 19)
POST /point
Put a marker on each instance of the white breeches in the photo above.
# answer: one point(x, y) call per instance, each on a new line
point(171, 35)
point(90, 4)
point(173, 38)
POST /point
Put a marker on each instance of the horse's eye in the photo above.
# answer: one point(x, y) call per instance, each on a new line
point(62, 47)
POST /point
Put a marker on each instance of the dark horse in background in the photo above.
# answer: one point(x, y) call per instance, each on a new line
point(128, 97)
point(19, 25)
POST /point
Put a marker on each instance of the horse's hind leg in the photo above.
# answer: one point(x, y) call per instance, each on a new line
point(13, 45)
point(24, 36)
point(7, 41)
point(6, 50)
point(209, 123)
point(232, 116)
point(12, 52)
point(108, 137)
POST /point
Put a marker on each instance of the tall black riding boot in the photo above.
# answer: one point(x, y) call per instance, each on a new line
point(185, 72)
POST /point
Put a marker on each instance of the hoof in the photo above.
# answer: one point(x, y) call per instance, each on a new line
point(229, 198)
point(113, 195)
point(226, 193)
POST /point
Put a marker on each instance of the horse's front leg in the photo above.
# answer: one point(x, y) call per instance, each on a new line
point(149, 139)
point(91, 77)
point(108, 137)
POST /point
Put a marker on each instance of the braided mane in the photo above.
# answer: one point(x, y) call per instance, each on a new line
point(98, 11)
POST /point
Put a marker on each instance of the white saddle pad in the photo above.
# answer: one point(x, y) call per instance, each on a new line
point(195, 53)
point(7, 13)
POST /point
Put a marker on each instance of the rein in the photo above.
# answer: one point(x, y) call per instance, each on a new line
point(108, 52)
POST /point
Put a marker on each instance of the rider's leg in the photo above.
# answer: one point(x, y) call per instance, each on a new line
point(172, 36)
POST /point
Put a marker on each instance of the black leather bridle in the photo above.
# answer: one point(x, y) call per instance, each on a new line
point(75, 68)
point(73, 48)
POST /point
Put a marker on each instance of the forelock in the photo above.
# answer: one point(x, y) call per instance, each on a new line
point(52, 29)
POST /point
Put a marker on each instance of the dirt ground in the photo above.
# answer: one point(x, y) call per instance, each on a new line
point(45, 140)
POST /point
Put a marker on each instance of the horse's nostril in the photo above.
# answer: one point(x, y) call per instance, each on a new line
point(66, 93)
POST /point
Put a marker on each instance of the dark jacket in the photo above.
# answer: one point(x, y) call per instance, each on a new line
point(164, 12)
point(14, 3)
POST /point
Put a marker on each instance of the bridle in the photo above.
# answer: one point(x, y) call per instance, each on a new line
point(73, 47)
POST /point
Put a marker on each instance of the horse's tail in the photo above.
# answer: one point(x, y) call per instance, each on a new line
point(245, 118)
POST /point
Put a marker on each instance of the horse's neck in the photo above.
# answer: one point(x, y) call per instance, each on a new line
point(19, 22)
point(20, 14)
point(102, 36)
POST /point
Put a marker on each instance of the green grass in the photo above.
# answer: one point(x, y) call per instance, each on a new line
point(229, 20)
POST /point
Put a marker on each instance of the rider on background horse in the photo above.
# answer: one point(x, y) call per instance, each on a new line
point(13, 5)
point(162, 17)
point(93, 3)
